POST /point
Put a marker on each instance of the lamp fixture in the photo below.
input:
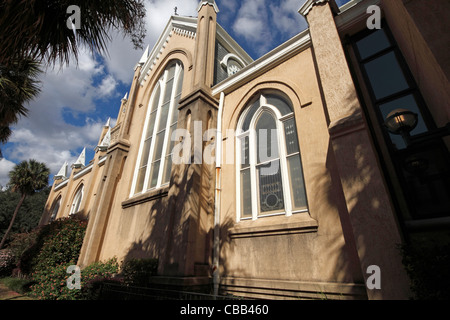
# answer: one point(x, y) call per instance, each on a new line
point(401, 121)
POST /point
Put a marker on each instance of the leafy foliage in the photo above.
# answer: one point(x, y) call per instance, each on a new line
point(6, 262)
point(28, 217)
point(39, 29)
point(51, 283)
point(137, 272)
point(27, 177)
point(57, 243)
point(427, 262)
point(19, 84)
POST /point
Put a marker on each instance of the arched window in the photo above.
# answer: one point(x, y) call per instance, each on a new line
point(269, 170)
point(77, 200)
point(154, 161)
point(55, 209)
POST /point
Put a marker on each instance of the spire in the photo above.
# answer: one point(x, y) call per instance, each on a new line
point(108, 123)
point(105, 142)
point(144, 57)
point(81, 161)
point(62, 173)
point(125, 97)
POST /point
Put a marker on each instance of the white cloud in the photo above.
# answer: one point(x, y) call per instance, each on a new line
point(5, 167)
point(107, 87)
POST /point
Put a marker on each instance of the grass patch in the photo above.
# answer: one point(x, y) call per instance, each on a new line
point(16, 284)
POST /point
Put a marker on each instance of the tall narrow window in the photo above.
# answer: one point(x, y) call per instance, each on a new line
point(76, 203)
point(269, 170)
point(154, 162)
point(421, 168)
point(55, 209)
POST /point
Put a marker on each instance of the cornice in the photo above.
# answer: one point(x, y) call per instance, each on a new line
point(307, 6)
point(208, 2)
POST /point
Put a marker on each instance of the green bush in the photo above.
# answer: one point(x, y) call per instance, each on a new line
point(427, 262)
point(137, 272)
point(6, 262)
point(56, 243)
point(51, 283)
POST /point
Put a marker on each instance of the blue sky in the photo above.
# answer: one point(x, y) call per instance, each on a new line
point(76, 101)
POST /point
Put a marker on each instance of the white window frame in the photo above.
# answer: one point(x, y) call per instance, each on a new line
point(166, 142)
point(282, 156)
point(77, 199)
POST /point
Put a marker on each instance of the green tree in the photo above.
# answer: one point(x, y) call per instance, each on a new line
point(26, 178)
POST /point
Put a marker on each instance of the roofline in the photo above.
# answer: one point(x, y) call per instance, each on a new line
point(285, 51)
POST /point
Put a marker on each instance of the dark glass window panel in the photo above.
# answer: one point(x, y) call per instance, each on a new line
point(163, 116)
point(154, 174)
point(249, 116)
point(266, 137)
point(159, 145)
point(386, 76)
point(245, 156)
point(146, 152)
point(298, 194)
point(246, 193)
point(151, 124)
point(270, 187)
point(155, 100)
point(167, 169)
point(168, 92)
point(280, 103)
point(291, 136)
point(140, 180)
point(373, 43)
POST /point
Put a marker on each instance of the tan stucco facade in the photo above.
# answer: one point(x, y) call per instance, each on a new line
point(191, 225)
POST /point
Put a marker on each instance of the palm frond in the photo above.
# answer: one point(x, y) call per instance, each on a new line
point(37, 28)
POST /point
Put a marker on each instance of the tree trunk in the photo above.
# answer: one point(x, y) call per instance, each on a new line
point(12, 220)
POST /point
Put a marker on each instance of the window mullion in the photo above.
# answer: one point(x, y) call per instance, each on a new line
point(283, 167)
point(152, 147)
point(254, 187)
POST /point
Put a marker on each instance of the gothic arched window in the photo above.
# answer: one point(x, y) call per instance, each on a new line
point(269, 170)
point(55, 209)
point(76, 203)
point(154, 161)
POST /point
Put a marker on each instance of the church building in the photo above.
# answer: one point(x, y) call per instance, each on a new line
point(294, 176)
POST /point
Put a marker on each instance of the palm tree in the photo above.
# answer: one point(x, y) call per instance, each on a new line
point(39, 28)
point(19, 84)
point(27, 177)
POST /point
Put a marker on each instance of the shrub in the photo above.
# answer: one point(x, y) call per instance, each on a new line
point(51, 283)
point(137, 272)
point(56, 243)
point(6, 262)
point(427, 266)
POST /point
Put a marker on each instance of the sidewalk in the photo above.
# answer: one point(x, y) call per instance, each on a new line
point(7, 294)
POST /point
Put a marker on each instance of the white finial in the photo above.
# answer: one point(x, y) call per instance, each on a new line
point(144, 56)
point(125, 97)
point(105, 142)
point(81, 161)
point(62, 173)
point(108, 123)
